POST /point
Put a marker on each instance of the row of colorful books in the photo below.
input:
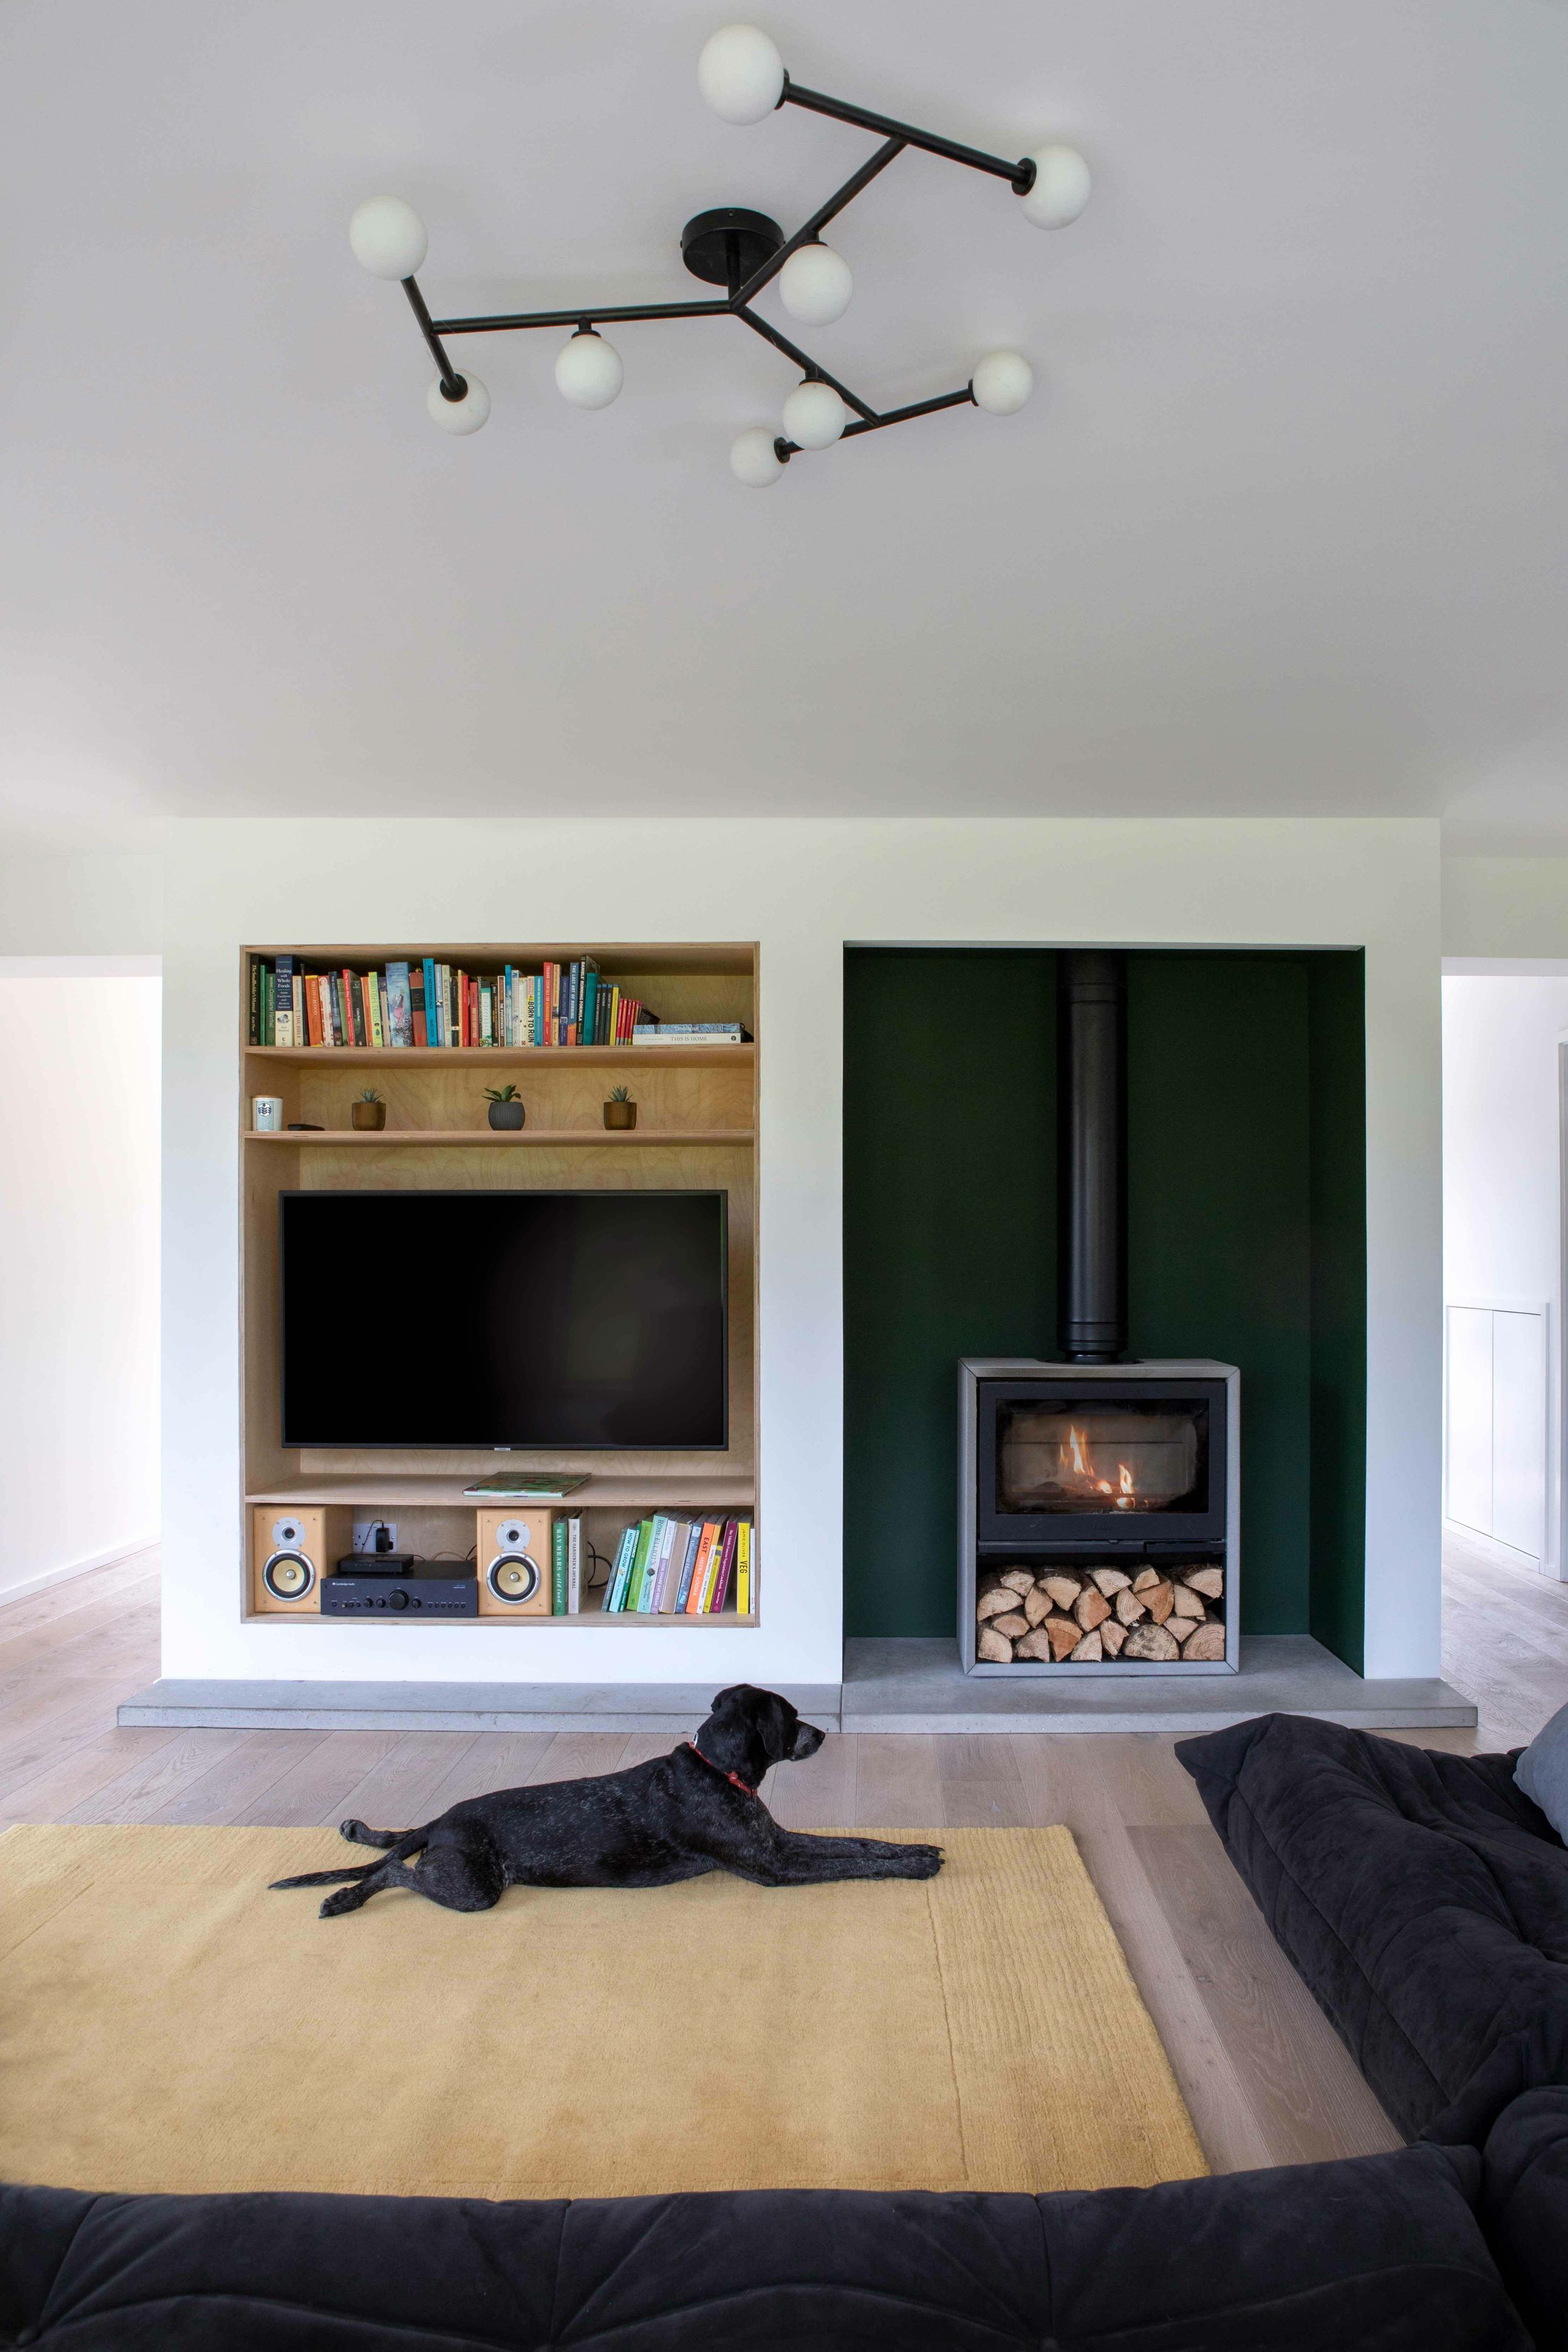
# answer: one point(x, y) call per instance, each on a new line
point(672, 1565)
point(426, 1003)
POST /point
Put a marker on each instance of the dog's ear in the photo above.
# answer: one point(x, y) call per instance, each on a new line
point(777, 1722)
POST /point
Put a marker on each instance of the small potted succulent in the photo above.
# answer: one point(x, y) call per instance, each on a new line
point(506, 1106)
point(369, 1112)
point(620, 1110)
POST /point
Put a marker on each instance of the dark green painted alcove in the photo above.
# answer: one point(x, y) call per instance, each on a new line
point(1246, 1241)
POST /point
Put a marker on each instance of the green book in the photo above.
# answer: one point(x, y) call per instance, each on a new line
point(558, 1569)
point(639, 1566)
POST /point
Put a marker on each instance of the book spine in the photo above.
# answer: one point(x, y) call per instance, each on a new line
point(642, 1599)
point(574, 1565)
point(283, 1002)
point(558, 1566)
point(639, 1565)
point(253, 1029)
point(710, 1583)
point(726, 1566)
point(669, 1567)
point(590, 1007)
point(615, 1590)
point(689, 1560)
point(699, 1570)
point(743, 1570)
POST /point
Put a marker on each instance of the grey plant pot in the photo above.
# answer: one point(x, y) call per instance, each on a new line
point(508, 1115)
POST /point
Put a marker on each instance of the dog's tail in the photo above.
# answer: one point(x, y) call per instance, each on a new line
point(400, 1843)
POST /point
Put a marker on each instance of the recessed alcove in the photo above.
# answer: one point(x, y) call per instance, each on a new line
point(1246, 1242)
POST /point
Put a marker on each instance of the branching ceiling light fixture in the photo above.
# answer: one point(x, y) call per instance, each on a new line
point(742, 76)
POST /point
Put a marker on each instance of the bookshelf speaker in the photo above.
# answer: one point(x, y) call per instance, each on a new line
point(513, 1555)
point(288, 1554)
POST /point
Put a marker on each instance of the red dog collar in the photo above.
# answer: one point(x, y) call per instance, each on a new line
point(734, 1778)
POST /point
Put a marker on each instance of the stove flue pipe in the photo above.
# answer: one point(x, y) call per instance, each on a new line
point(1091, 1155)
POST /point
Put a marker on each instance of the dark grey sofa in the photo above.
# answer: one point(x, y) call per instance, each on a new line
point(1422, 1897)
point(1385, 2254)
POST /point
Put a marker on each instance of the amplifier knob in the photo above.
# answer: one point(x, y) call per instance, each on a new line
point(397, 1600)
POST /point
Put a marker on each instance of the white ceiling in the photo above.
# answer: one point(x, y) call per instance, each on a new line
point(1282, 531)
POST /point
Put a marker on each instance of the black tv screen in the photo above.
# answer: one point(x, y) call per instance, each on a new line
point(565, 1321)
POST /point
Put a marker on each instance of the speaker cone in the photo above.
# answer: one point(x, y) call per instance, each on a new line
point(288, 1575)
point(513, 1577)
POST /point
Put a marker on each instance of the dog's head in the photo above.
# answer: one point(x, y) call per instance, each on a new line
point(759, 1724)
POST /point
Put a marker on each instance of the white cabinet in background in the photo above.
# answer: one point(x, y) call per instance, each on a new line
point(1495, 1427)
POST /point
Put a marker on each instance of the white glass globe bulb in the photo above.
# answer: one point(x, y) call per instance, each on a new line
point(753, 459)
point(464, 415)
point(814, 285)
point(388, 237)
point(1061, 187)
point(814, 416)
point(588, 371)
point(1001, 382)
point(741, 74)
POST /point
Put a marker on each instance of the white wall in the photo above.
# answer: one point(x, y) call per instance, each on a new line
point(1505, 907)
point(1501, 1204)
point(79, 1082)
point(94, 903)
point(802, 890)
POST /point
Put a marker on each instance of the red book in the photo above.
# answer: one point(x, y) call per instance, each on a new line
point(312, 1010)
point(726, 1566)
point(416, 1002)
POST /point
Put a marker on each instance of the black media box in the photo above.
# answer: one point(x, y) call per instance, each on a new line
point(431, 1592)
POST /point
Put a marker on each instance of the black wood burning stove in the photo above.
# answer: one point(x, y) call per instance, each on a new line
point(1099, 1495)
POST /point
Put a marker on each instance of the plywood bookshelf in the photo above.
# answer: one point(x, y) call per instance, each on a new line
point(695, 1128)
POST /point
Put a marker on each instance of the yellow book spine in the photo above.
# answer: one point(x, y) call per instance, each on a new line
point(743, 1570)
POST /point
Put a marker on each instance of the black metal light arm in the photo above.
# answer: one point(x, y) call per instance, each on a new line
point(452, 384)
point(806, 366)
point(786, 449)
point(580, 316)
point(1020, 174)
point(819, 220)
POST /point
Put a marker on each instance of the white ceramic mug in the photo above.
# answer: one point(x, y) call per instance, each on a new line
point(267, 1114)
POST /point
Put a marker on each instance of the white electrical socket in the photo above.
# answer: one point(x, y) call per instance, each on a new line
point(365, 1534)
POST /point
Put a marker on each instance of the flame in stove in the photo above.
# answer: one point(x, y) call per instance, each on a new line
point(1076, 1458)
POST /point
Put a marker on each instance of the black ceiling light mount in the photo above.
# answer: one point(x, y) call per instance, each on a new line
point(742, 76)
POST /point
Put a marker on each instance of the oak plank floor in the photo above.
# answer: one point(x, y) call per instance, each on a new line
point(1266, 2079)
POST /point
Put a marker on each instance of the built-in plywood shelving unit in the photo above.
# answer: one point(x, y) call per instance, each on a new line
point(695, 1128)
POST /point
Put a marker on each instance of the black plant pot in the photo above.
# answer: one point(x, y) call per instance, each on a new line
point(508, 1114)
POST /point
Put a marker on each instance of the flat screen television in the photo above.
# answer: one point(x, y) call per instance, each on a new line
point(562, 1320)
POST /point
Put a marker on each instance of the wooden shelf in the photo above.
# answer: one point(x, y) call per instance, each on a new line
point(619, 1139)
point(400, 1491)
point(495, 1058)
point(630, 1619)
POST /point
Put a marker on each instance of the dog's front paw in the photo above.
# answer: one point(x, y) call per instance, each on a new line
point(924, 1861)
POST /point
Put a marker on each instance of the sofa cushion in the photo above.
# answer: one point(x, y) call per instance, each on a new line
point(1383, 2253)
point(1543, 1770)
point(1524, 2209)
point(1422, 1897)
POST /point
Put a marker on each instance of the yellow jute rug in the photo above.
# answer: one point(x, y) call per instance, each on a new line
point(168, 2023)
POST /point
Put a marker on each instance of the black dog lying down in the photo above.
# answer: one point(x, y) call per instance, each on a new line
point(680, 1815)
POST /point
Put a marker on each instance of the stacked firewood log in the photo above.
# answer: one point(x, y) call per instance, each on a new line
point(1092, 1616)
